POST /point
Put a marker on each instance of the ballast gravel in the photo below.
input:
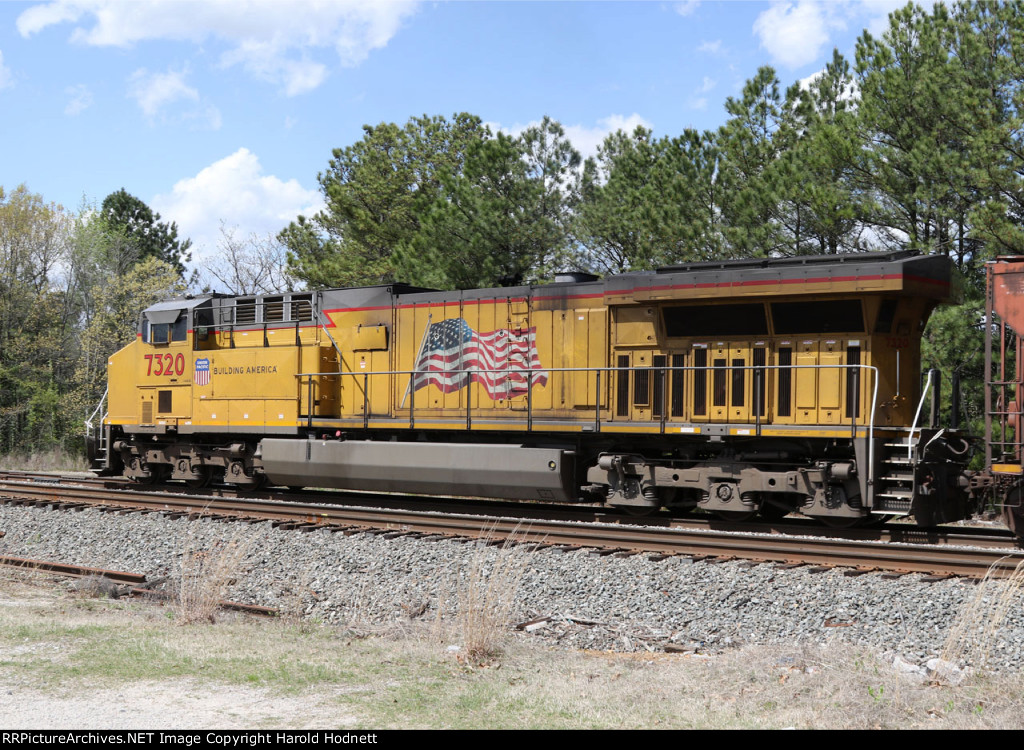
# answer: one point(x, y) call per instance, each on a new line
point(578, 599)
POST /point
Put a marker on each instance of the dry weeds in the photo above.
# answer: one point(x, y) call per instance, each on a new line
point(54, 459)
point(977, 625)
point(207, 570)
point(486, 595)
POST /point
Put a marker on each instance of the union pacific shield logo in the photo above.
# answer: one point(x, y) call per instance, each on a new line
point(202, 373)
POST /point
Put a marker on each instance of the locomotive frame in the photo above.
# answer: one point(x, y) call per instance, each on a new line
point(739, 387)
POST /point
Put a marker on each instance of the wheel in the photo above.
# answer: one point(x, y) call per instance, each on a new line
point(839, 522)
point(773, 512)
point(735, 515)
point(877, 519)
point(204, 475)
point(157, 473)
point(1013, 513)
point(259, 482)
point(638, 511)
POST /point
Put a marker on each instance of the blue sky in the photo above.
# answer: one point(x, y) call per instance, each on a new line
point(224, 111)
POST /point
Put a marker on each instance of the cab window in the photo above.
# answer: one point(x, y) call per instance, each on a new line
point(164, 333)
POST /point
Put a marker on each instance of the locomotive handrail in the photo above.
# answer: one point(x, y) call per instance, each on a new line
point(917, 415)
point(88, 422)
point(97, 433)
point(365, 374)
point(322, 322)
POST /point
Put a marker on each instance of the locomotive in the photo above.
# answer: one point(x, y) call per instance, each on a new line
point(741, 387)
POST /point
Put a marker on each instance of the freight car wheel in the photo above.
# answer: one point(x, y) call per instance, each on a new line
point(158, 474)
point(1013, 514)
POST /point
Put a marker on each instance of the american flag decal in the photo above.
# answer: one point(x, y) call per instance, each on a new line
point(202, 373)
point(453, 355)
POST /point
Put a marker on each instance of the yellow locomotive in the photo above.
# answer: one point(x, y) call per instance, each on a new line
point(739, 387)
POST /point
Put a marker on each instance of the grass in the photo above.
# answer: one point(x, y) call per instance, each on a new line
point(55, 459)
point(54, 645)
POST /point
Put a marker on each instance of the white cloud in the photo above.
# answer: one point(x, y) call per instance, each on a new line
point(233, 191)
point(707, 84)
point(265, 61)
point(686, 7)
point(699, 103)
point(878, 14)
point(5, 73)
point(585, 138)
point(81, 99)
point(153, 91)
point(272, 40)
point(204, 117)
point(156, 92)
point(794, 34)
point(712, 48)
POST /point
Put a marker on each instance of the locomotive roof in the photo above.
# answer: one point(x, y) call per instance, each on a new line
point(167, 312)
point(895, 271)
point(852, 273)
point(735, 264)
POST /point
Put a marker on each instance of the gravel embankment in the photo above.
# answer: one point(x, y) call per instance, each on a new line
point(592, 601)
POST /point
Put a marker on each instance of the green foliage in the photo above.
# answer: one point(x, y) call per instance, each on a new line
point(377, 192)
point(823, 212)
point(954, 343)
point(505, 219)
point(70, 292)
point(113, 322)
point(131, 219)
point(647, 202)
point(36, 319)
point(753, 179)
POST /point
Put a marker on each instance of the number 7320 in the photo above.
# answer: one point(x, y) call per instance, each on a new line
point(165, 364)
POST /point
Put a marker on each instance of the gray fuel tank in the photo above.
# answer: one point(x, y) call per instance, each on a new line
point(500, 471)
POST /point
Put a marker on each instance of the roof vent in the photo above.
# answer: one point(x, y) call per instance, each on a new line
point(574, 277)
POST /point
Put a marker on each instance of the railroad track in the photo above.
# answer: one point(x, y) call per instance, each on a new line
point(131, 584)
point(936, 552)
